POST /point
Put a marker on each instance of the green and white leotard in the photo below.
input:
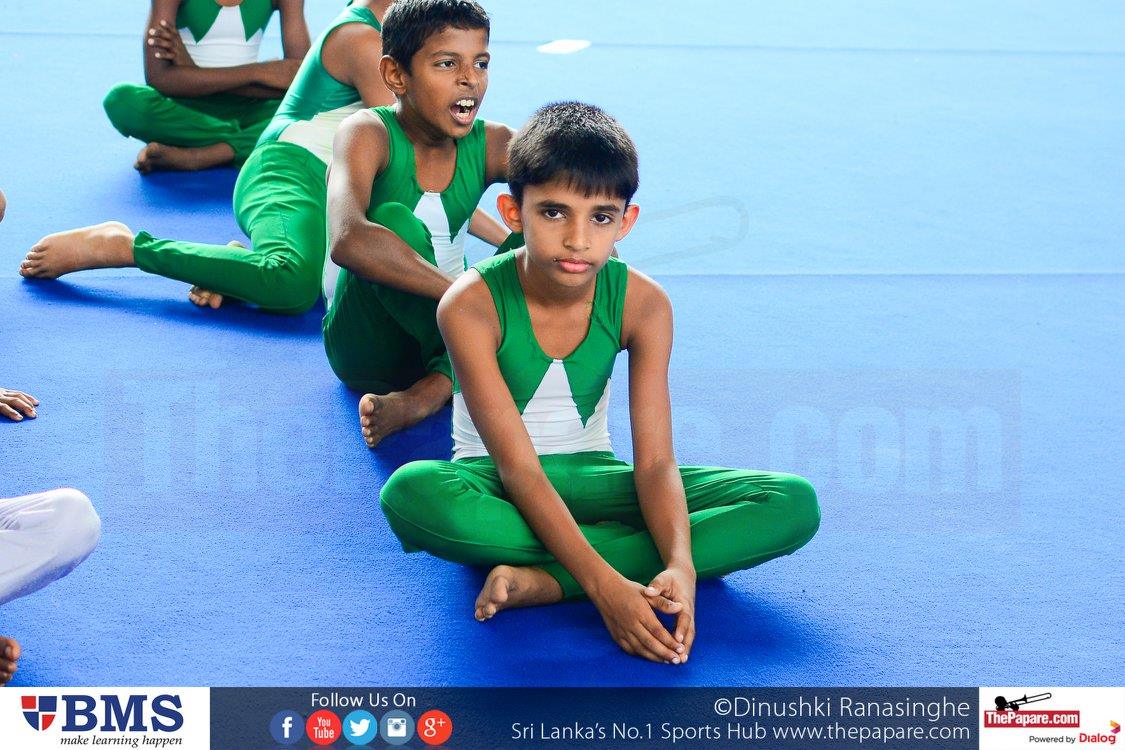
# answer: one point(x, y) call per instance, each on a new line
point(460, 510)
point(279, 201)
point(445, 214)
point(219, 37)
point(379, 339)
point(563, 402)
point(317, 103)
point(215, 37)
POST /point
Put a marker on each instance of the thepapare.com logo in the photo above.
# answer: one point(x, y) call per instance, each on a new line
point(75, 712)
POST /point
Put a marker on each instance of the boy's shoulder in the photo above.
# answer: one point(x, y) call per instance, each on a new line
point(497, 136)
point(468, 300)
point(645, 300)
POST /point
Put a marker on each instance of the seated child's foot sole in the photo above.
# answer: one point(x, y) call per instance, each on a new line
point(508, 587)
point(106, 245)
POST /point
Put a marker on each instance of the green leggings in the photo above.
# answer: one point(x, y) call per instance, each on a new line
point(144, 113)
point(379, 339)
point(280, 202)
point(459, 511)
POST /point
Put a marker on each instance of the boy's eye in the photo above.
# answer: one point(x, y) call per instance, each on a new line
point(603, 219)
point(445, 64)
point(552, 213)
point(482, 64)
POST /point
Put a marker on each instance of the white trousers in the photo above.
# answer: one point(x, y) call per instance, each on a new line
point(42, 538)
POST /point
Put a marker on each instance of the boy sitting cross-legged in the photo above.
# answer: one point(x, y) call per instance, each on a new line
point(534, 488)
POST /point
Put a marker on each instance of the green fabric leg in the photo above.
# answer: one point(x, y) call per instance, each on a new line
point(144, 113)
point(379, 339)
point(459, 511)
point(280, 201)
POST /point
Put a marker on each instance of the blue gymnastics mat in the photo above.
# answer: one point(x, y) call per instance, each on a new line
point(893, 237)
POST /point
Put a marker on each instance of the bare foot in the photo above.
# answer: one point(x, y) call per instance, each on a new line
point(509, 587)
point(380, 416)
point(157, 156)
point(9, 658)
point(205, 297)
point(107, 245)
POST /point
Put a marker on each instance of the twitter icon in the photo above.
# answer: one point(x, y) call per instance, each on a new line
point(360, 727)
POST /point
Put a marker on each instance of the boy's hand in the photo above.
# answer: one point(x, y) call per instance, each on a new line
point(15, 405)
point(169, 45)
point(629, 616)
point(677, 585)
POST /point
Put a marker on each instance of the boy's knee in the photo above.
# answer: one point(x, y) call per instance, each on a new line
point(408, 492)
point(77, 526)
point(123, 104)
point(409, 228)
point(804, 511)
point(292, 285)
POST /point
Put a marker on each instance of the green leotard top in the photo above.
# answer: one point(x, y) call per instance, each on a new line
point(216, 36)
point(198, 16)
point(563, 402)
point(316, 103)
point(445, 214)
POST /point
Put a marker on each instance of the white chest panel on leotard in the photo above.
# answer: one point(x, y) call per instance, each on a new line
point(449, 251)
point(551, 418)
point(225, 43)
point(315, 135)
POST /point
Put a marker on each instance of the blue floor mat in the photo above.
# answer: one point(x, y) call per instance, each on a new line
point(893, 242)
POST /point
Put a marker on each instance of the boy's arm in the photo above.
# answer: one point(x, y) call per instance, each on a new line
point(497, 136)
point(483, 225)
point(370, 251)
point(647, 334)
point(295, 42)
point(351, 55)
point(468, 323)
point(170, 70)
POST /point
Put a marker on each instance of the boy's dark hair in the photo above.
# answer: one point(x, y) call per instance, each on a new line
point(409, 23)
point(577, 143)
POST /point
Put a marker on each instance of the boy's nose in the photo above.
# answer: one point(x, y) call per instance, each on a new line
point(470, 77)
point(577, 237)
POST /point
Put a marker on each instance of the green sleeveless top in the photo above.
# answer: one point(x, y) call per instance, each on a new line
point(316, 103)
point(198, 16)
point(563, 402)
point(445, 214)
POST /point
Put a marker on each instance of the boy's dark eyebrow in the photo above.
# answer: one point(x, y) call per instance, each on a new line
point(450, 53)
point(605, 208)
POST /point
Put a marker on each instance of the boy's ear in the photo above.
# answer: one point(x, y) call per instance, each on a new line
point(509, 212)
point(393, 75)
point(628, 219)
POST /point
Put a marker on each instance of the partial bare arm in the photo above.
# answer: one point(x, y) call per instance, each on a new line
point(370, 251)
point(647, 335)
point(189, 80)
point(295, 42)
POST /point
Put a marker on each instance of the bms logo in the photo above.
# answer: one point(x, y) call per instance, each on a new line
point(39, 710)
point(105, 713)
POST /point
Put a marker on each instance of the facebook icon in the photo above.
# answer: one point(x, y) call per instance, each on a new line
point(287, 727)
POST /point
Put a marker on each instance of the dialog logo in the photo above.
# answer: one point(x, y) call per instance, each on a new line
point(1114, 727)
point(323, 727)
point(39, 710)
point(287, 727)
point(360, 727)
